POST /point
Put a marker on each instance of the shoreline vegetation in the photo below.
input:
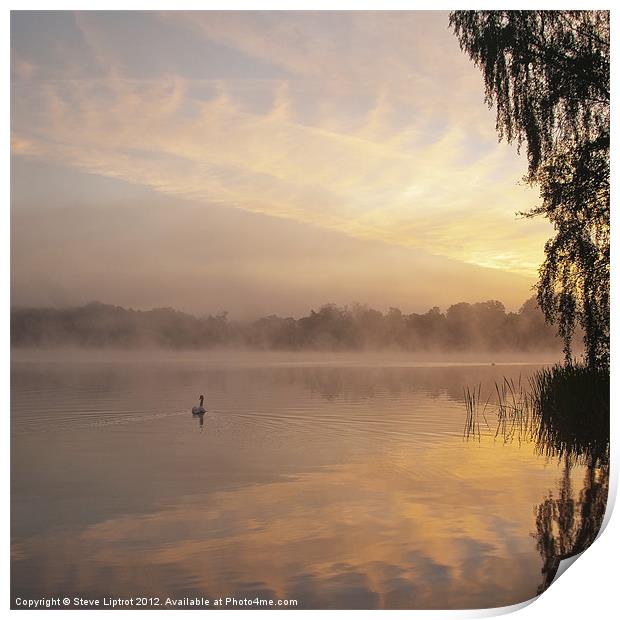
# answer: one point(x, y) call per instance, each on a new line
point(564, 409)
point(463, 327)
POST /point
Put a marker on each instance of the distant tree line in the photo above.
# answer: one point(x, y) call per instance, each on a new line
point(484, 326)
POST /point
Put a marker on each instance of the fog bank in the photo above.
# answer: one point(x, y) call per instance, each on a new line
point(463, 327)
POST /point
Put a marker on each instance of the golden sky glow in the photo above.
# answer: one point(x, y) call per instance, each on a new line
point(370, 126)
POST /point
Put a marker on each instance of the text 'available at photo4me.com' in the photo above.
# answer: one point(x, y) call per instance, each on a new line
point(149, 602)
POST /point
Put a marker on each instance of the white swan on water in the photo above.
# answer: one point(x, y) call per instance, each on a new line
point(199, 409)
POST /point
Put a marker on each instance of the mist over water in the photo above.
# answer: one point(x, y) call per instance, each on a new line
point(462, 329)
point(348, 471)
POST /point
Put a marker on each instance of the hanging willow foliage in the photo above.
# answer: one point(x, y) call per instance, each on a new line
point(547, 74)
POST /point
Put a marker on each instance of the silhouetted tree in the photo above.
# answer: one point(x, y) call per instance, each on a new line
point(547, 72)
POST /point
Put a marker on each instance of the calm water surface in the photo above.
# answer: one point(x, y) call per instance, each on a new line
point(339, 481)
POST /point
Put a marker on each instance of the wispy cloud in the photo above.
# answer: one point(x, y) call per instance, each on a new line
point(363, 135)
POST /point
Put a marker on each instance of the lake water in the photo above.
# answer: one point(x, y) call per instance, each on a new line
point(338, 481)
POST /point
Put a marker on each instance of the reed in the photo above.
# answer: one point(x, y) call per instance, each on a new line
point(475, 411)
point(571, 403)
point(563, 410)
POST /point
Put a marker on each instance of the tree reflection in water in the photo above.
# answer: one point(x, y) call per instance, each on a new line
point(565, 414)
point(572, 410)
point(567, 525)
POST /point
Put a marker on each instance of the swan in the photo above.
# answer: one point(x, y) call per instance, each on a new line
point(199, 409)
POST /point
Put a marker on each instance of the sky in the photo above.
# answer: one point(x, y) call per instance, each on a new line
point(260, 162)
